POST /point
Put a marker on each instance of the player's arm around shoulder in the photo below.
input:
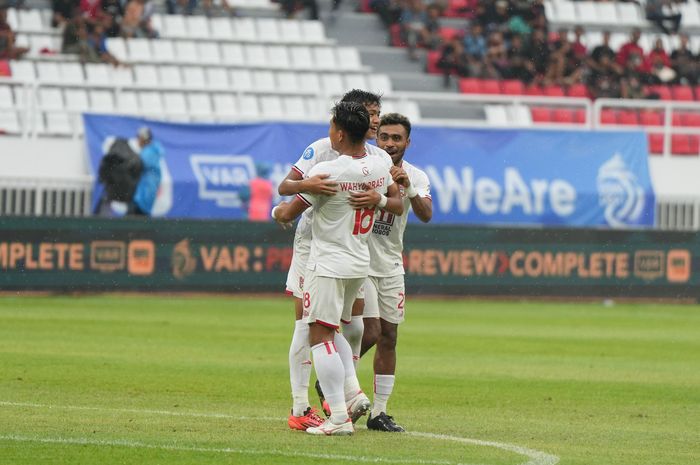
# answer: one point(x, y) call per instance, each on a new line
point(300, 178)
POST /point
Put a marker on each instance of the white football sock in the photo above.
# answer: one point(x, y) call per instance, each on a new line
point(352, 385)
point(330, 373)
point(353, 333)
point(383, 385)
point(300, 367)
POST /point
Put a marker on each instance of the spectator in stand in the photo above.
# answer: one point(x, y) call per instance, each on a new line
point(63, 11)
point(290, 8)
point(601, 50)
point(630, 49)
point(684, 63)
point(388, 10)
point(75, 41)
point(420, 25)
point(660, 64)
point(539, 53)
point(454, 60)
point(577, 46)
point(185, 6)
point(8, 50)
point(113, 8)
point(521, 66)
point(661, 12)
point(97, 41)
point(565, 68)
point(604, 78)
point(632, 88)
point(91, 10)
point(474, 41)
point(137, 20)
point(495, 15)
point(496, 64)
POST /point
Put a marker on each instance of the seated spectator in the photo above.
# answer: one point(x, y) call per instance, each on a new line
point(63, 11)
point(91, 10)
point(601, 50)
point(578, 47)
point(113, 8)
point(75, 41)
point(388, 10)
point(631, 87)
point(453, 60)
point(136, 21)
point(496, 64)
point(420, 26)
point(661, 12)
point(565, 68)
point(474, 41)
point(604, 80)
point(660, 64)
point(97, 41)
point(495, 16)
point(539, 53)
point(630, 48)
point(519, 64)
point(8, 49)
point(684, 63)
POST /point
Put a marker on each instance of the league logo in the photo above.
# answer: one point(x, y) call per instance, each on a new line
point(308, 153)
point(223, 177)
point(620, 193)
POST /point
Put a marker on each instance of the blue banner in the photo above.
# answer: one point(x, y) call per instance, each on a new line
point(525, 177)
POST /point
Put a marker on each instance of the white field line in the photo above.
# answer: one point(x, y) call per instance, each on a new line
point(535, 457)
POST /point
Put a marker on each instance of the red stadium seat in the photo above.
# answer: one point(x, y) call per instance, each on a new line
point(449, 33)
point(628, 117)
point(694, 142)
point(580, 116)
point(431, 62)
point(5, 68)
point(541, 115)
point(533, 90)
point(395, 36)
point(513, 87)
point(676, 119)
point(563, 115)
point(489, 86)
point(554, 91)
point(656, 144)
point(663, 92)
point(469, 86)
point(364, 6)
point(691, 119)
point(608, 117)
point(683, 93)
point(680, 144)
point(651, 118)
point(578, 90)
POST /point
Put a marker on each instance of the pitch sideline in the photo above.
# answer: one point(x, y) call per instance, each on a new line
point(535, 457)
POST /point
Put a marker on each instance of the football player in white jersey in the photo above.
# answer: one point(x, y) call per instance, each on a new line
point(385, 294)
point(299, 181)
point(339, 261)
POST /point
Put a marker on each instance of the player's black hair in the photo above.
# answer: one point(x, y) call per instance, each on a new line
point(353, 118)
point(362, 97)
point(396, 118)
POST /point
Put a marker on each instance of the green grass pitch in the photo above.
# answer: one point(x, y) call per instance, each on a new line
point(204, 380)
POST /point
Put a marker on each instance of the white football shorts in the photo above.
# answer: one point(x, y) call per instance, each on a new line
point(385, 298)
point(329, 300)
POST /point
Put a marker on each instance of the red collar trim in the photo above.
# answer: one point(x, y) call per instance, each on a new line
point(359, 156)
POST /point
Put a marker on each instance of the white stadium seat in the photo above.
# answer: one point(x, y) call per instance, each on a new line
point(496, 115)
point(217, 78)
point(271, 107)
point(127, 103)
point(39, 42)
point(255, 55)
point(690, 15)
point(6, 99)
point(566, 13)
point(225, 107)
point(194, 77)
point(301, 57)
point(122, 76)
point(606, 12)
point(146, 75)
point(163, 51)
point(264, 81)
point(278, 57)
point(586, 12)
point(169, 75)
point(248, 106)
point(324, 58)
point(9, 122)
point(48, 71)
point(221, 28)
point(139, 50)
point(173, 26)
point(209, 53)
point(12, 19)
point(102, 101)
point(244, 29)
point(241, 79)
point(290, 31)
point(197, 27)
point(174, 104)
point(410, 109)
point(199, 105)
point(628, 14)
point(519, 115)
point(348, 58)
point(150, 103)
point(287, 81)
point(313, 32)
point(355, 81)
point(30, 20)
point(23, 70)
point(71, 72)
point(232, 54)
point(117, 47)
point(294, 108)
point(267, 29)
point(309, 82)
point(186, 52)
point(380, 83)
point(332, 84)
point(76, 100)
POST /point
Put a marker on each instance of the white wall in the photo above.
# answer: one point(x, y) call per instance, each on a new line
point(50, 158)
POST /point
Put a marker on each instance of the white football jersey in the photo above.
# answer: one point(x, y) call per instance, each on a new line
point(340, 234)
point(386, 240)
point(315, 153)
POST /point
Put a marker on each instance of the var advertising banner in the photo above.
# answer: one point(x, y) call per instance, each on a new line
point(75, 255)
point(517, 177)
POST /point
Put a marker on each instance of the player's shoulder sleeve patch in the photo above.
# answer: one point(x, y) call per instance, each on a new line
point(308, 153)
